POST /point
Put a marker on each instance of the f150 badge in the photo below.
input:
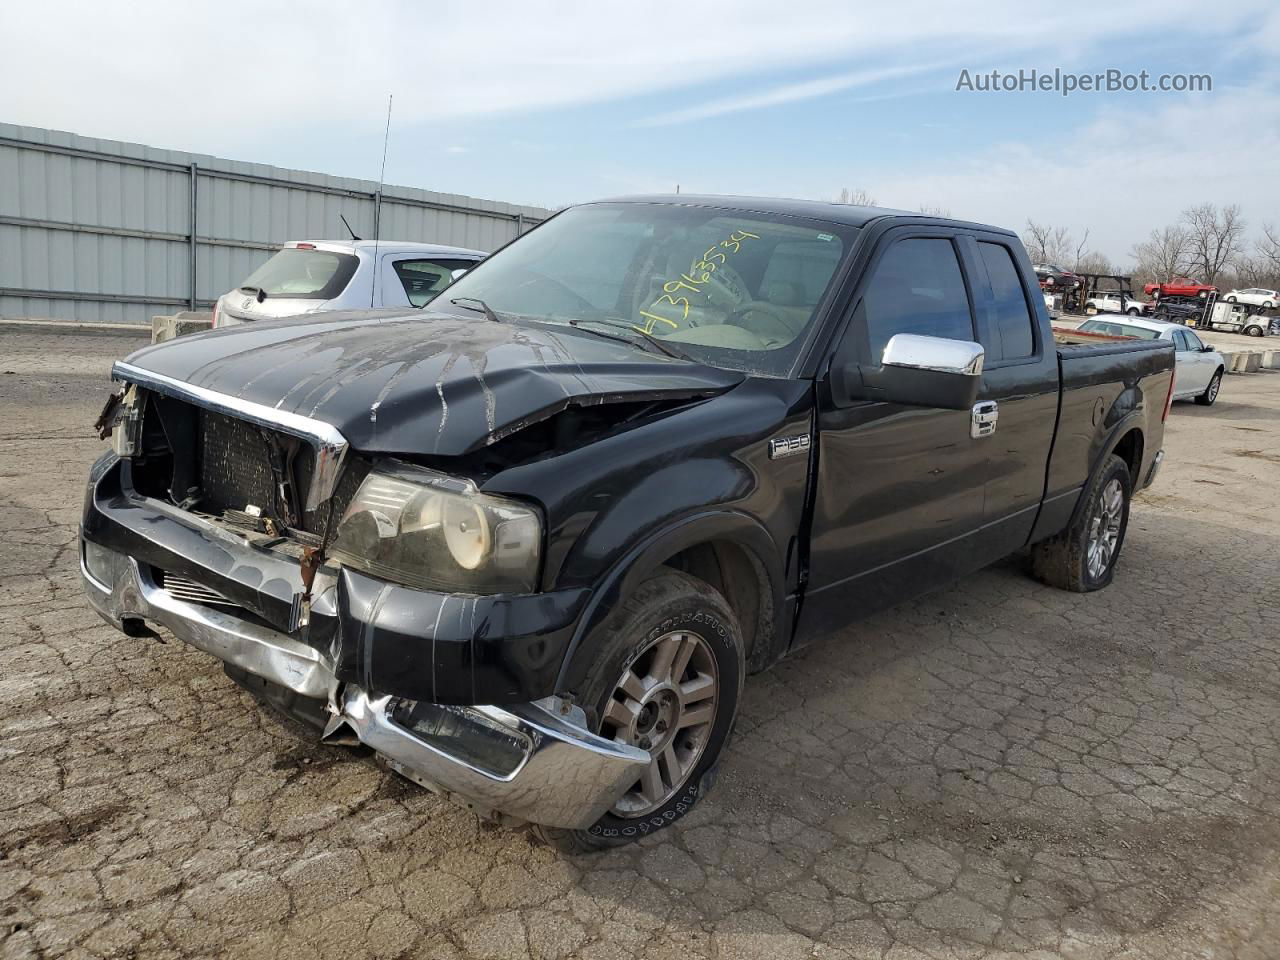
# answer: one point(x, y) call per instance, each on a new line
point(780, 447)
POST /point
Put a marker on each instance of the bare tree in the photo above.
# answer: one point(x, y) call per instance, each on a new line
point(1268, 248)
point(1215, 238)
point(931, 211)
point(1081, 247)
point(858, 197)
point(1095, 262)
point(1046, 244)
point(1163, 255)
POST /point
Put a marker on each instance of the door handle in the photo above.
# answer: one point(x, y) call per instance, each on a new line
point(986, 414)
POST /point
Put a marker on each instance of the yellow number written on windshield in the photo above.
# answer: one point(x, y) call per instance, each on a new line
point(672, 310)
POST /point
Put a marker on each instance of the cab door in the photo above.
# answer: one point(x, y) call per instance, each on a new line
point(1020, 387)
point(899, 489)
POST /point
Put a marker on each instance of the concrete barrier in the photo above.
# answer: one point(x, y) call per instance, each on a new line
point(179, 325)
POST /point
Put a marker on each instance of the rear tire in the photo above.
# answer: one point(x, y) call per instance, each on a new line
point(1231, 299)
point(673, 640)
point(1211, 391)
point(1083, 557)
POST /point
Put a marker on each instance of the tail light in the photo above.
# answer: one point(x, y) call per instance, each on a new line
point(215, 313)
point(1168, 400)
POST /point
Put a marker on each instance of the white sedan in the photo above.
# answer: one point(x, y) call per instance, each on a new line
point(1198, 368)
point(1258, 296)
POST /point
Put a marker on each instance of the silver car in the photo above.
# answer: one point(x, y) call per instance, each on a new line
point(1198, 372)
point(307, 276)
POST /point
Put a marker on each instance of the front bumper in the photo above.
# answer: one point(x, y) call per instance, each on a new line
point(417, 644)
point(552, 771)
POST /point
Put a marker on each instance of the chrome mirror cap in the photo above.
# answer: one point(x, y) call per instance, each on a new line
point(939, 354)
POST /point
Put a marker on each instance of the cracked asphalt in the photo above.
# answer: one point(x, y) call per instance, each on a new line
point(996, 770)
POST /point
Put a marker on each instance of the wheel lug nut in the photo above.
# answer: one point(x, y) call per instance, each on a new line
point(662, 726)
point(644, 743)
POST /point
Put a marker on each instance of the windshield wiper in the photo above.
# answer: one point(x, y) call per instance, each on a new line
point(257, 292)
point(633, 329)
point(482, 308)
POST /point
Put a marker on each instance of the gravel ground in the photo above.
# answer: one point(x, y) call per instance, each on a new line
point(999, 769)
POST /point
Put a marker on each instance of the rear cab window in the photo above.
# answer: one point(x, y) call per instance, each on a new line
point(1010, 327)
point(301, 274)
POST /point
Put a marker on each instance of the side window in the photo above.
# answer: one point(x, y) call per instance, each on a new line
point(423, 279)
point(1193, 342)
point(1010, 318)
point(1180, 341)
point(917, 288)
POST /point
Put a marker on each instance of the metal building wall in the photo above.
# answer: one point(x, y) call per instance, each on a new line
point(98, 230)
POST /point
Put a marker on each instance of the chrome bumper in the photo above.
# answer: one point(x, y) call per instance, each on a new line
point(559, 774)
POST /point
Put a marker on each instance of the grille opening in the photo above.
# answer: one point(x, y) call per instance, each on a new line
point(190, 591)
point(221, 466)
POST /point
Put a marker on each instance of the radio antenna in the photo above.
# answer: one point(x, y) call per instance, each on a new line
point(377, 206)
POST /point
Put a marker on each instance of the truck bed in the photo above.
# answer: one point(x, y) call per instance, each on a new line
point(1110, 385)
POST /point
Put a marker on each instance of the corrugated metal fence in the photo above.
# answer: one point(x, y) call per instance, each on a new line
point(98, 230)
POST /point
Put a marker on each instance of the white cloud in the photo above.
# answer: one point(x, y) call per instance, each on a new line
point(1133, 168)
point(211, 76)
point(788, 93)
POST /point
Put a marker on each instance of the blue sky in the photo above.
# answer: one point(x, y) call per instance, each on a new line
point(552, 103)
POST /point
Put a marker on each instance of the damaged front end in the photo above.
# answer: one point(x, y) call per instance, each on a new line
point(217, 518)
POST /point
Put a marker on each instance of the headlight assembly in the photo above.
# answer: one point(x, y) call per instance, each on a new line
point(428, 531)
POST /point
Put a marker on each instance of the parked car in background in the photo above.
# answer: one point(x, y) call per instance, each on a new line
point(1056, 278)
point(1258, 296)
point(307, 276)
point(526, 543)
point(1114, 302)
point(1179, 287)
point(1199, 368)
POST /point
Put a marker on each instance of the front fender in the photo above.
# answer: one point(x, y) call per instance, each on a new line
point(651, 552)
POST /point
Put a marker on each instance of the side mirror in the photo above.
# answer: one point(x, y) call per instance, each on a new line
point(919, 371)
point(1206, 349)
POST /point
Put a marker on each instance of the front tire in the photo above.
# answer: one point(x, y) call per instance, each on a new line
point(667, 679)
point(1133, 311)
point(1083, 557)
point(1253, 331)
point(1231, 300)
point(1211, 391)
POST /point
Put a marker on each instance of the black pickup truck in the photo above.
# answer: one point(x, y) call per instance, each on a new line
point(526, 543)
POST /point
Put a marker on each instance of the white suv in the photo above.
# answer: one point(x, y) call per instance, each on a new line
point(307, 276)
point(1258, 296)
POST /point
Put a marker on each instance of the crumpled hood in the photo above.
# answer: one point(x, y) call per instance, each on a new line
point(423, 383)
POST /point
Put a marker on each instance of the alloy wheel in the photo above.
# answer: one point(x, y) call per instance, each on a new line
point(1104, 528)
point(665, 703)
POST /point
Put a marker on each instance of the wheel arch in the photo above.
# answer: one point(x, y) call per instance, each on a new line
point(1127, 439)
point(731, 551)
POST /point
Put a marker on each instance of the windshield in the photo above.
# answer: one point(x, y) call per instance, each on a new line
point(731, 289)
point(304, 274)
